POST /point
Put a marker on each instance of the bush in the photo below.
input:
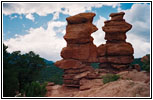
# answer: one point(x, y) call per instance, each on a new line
point(110, 77)
point(95, 65)
point(35, 89)
point(146, 63)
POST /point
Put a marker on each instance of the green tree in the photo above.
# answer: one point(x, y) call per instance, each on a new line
point(34, 89)
point(10, 81)
point(19, 70)
point(146, 63)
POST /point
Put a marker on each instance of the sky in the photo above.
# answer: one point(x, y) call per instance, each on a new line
point(40, 27)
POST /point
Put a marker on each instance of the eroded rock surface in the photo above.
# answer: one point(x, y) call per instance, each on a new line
point(80, 50)
point(116, 54)
point(131, 84)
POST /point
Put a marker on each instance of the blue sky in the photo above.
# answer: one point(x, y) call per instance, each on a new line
point(40, 27)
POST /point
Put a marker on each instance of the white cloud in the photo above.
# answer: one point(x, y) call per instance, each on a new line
point(55, 15)
point(139, 17)
point(140, 45)
point(13, 17)
point(41, 41)
point(99, 34)
point(43, 9)
point(30, 16)
point(139, 35)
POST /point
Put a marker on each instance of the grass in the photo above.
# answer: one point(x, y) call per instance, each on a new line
point(110, 78)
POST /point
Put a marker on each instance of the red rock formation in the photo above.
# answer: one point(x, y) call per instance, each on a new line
point(80, 49)
point(116, 54)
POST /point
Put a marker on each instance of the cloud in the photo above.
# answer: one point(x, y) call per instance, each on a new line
point(41, 41)
point(42, 9)
point(99, 34)
point(139, 35)
point(140, 45)
point(139, 17)
point(30, 16)
point(13, 17)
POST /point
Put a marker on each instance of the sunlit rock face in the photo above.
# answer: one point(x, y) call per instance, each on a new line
point(116, 53)
point(80, 50)
point(114, 56)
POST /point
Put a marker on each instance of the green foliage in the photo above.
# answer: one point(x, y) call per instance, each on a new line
point(10, 81)
point(137, 61)
point(19, 70)
point(110, 77)
point(146, 64)
point(95, 65)
point(51, 73)
point(34, 89)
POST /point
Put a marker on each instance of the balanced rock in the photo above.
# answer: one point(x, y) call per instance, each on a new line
point(116, 53)
point(80, 50)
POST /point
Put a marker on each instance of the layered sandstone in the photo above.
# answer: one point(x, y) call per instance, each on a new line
point(80, 50)
point(116, 54)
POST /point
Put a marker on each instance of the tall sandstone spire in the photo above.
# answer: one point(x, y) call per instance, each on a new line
point(116, 54)
point(80, 50)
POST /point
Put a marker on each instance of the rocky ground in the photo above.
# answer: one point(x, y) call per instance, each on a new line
point(131, 84)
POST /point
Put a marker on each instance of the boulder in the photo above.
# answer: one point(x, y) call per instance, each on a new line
point(119, 49)
point(81, 18)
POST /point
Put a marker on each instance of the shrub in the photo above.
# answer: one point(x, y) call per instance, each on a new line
point(146, 63)
point(110, 77)
point(35, 89)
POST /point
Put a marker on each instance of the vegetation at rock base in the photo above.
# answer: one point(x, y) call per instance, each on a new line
point(51, 73)
point(110, 77)
point(35, 89)
point(137, 61)
point(19, 70)
point(95, 65)
point(146, 63)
